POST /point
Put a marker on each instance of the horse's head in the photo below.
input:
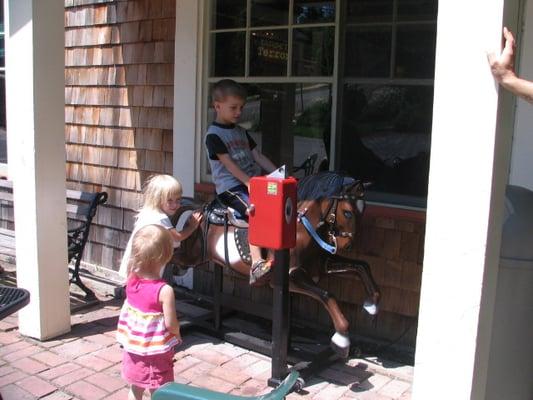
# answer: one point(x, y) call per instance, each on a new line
point(341, 203)
point(190, 250)
point(343, 212)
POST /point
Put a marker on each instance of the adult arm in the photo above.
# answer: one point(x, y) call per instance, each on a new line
point(502, 68)
point(168, 301)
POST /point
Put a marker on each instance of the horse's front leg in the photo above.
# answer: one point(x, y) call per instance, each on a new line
point(300, 282)
point(342, 265)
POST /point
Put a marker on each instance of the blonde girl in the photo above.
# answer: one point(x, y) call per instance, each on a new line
point(162, 197)
point(148, 328)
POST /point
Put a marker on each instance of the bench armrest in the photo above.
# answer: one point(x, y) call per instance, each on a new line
point(178, 391)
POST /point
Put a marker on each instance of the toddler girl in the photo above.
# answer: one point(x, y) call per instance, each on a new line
point(162, 196)
point(148, 328)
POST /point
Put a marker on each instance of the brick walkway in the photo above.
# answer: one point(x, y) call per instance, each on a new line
point(85, 365)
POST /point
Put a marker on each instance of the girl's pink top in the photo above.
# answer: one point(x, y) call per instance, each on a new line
point(141, 324)
point(143, 294)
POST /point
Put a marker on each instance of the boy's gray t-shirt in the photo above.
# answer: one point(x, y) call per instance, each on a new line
point(238, 147)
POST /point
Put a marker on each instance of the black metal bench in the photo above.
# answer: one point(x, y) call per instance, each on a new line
point(12, 299)
point(81, 209)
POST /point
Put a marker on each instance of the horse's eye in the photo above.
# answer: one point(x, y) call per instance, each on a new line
point(347, 214)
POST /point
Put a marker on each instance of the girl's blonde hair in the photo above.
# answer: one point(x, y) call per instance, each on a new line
point(158, 189)
point(152, 246)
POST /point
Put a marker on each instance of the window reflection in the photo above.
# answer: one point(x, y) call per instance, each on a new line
point(387, 66)
point(313, 11)
point(227, 14)
point(268, 53)
point(417, 10)
point(415, 51)
point(368, 51)
point(313, 51)
point(270, 12)
point(228, 54)
point(386, 136)
point(369, 11)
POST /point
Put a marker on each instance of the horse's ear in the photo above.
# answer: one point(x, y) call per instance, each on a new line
point(348, 181)
point(349, 184)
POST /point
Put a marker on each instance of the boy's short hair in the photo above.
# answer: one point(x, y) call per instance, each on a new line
point(227, 87)
point(151, 246)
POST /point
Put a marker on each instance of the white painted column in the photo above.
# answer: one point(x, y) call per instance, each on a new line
point(468, 172)
point(185, 93)
point(187, 98)
point(36, 154)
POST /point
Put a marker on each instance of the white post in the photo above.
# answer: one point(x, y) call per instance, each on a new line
point(36, 160)
point(185, 93)
point(468, 172)
point(185, 101)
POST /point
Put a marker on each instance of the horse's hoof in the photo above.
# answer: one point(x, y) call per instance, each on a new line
point(340, 344)
point(370, 307)
point(298, 385)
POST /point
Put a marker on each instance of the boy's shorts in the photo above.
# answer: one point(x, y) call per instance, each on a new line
point(237, 198)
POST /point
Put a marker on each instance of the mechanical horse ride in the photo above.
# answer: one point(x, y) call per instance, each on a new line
point(330, 208)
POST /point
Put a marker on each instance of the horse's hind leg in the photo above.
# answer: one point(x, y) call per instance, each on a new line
point(300, 282)
point(341, 265)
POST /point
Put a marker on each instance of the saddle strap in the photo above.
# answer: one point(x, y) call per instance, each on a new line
point(205, 233)
point(226, 256)
point(309, 228)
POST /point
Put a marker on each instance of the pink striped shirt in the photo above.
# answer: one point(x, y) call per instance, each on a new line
point(141, 325)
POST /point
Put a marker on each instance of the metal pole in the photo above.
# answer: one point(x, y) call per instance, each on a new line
point(217, 296)
point(280, 317)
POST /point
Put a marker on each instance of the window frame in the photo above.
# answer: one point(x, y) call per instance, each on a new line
point(337, 81)
point(207, 80)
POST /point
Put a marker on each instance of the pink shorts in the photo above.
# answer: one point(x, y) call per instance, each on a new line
point(148, 372)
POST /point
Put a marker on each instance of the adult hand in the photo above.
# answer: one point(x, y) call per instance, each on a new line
point(502, 65)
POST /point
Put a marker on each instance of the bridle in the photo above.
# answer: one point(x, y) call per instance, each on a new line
point(329, 218)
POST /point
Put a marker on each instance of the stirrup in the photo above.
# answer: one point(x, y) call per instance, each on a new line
point(259, 270)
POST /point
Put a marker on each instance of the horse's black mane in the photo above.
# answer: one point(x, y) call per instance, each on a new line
point(319, 186)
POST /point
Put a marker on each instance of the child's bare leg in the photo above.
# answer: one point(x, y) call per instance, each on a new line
point(255, 253)
point(135, 393)
point(260, 267)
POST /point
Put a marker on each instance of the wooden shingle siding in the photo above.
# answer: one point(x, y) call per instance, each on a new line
point(119, 87)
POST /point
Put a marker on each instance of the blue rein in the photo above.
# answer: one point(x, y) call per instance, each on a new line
point(321, 242)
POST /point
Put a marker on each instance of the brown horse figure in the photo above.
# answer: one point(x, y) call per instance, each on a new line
point(330, 207)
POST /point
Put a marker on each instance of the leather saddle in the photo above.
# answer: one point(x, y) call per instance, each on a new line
point(220, 214)
point(217, 213)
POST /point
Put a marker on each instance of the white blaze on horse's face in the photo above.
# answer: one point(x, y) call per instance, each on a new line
point(360, 204)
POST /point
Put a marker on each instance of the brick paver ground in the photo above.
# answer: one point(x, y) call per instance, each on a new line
point(85, 365)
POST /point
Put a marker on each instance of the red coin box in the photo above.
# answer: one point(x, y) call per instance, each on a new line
point(272, 220)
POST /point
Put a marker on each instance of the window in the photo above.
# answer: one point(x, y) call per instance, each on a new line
point(346, 82)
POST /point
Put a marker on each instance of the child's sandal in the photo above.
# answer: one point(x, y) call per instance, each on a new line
point(259, 270)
